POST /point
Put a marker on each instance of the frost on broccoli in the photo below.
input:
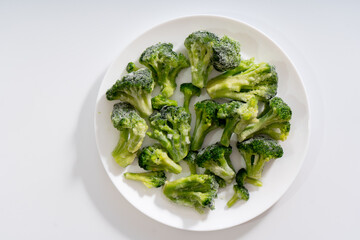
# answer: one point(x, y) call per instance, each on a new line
point(165, 65)
point(273, 121)
point(256, 152)
point(237, 115)
point(206, 121)
point(155, 158)
point(200, 50)
point(160, 101)
point(216, 158)
point(197, 191)
point(240, 191)
point(149, 179)
point(189, 90)
point(244, 82)
point(226, 54)
point(132, 130)
point(171, 128)
point(134, 88)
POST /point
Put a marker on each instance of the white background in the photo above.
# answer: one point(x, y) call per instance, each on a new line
point(53, 56)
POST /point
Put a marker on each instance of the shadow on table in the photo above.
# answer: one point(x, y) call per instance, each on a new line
point(115, 209)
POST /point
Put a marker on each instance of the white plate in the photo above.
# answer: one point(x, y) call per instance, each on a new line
point(277, 176)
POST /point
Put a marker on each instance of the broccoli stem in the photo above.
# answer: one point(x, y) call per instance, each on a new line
point(192, 167)
point(186, 104)
point(139, 177)
point(253, 181)
point(233, 200)
point(199, 135)
point(121, 154)
point(200, 68)
point(230, 125)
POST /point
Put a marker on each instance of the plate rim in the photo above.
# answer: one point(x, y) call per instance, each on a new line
point(307, 103)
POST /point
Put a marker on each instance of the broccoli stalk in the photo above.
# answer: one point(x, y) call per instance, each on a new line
point(277, 111)
point(256, 152)
point(149, 179)
point(171, 128)
point(165, 65)
point(277, 131)
point(132, 130)
point(226, 54)
point(206, 121)
point(216, 158)
point(245, 82)
point(240, 191)
point(160, 101)
point(197, 191)
point(190, 160)
point(200, 50)
point(155, 158)
point(218, 179)
point(134, 88)
point(236, 115)
point(189, 90)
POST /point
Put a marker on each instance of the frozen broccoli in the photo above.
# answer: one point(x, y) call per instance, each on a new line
point(131, 67)
point(160, 101)
point(134, 88)
point(189, 90)
point(165, 65)
point(132, 130)
point(149, 179)
point(218, 179)
point(190, 160)
point(240, 191)
point(226, 54)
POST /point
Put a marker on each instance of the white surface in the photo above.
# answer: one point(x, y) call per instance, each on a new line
point(276, 178)
point(52, 59)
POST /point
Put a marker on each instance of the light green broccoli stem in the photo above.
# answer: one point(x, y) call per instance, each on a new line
point(141, 177)
point(253, 181)
point(186, 104)
point(121, 153)
point(240, 192)
point(200, 59)
point(228, 130)
point(137, 135)
point(224, 171)
point(254, 165)
point(192, 167)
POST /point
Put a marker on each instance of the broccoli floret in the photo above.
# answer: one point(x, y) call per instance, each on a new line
point(197, 191)
point(277, 131)
point(226, 54)
point(216, 158)
point(189, 90)
point(200, 50)
point(218, 179)
point(206, 121)
point(190, 160)
point(149, 179)
point(132, 132)
point(131, 67)
point(276, 111)
point(256, 152)
point(160, 101)
point(244, 82)
point(134, 88)
point(165, 65)
point(237, 115)
point(155, 158)
point(240, 191)
point(171, 128)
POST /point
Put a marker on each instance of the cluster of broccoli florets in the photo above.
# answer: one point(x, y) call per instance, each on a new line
point(249, 110)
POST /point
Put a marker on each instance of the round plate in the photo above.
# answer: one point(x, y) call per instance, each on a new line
point(277, 175)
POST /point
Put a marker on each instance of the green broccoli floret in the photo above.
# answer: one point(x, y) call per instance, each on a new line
point(216, 158)
point(131, 67)
point(190, 160)
point(171, 128)
point(200, 50)
point(206, 121)
point(277, 131)
point(189, 90)
point(165, 65)
point(226, 54)
point(256, 152)
point(244, 82)
point(237, 115)
point(149, 179)
point(197, 191)
point(240, 191)
point(132, 132)
point(276, 111)
point(155, 158)
point(218, 179)
point(134, 88)
point(160, 101)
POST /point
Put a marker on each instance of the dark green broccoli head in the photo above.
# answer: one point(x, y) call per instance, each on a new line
point(190, 160)
point(171, 128)
point(149, 179)
point(241, 176)
point(256, 152)
point(226, 54)
point(165, 65)
point(155, 158)
point(280, 109)
point(197, 191)
point(200, 50)
point(160, 101)
point(206, 121)
point(124, 116)
point(216, 158)
point(131, 67)
point(134, 88)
